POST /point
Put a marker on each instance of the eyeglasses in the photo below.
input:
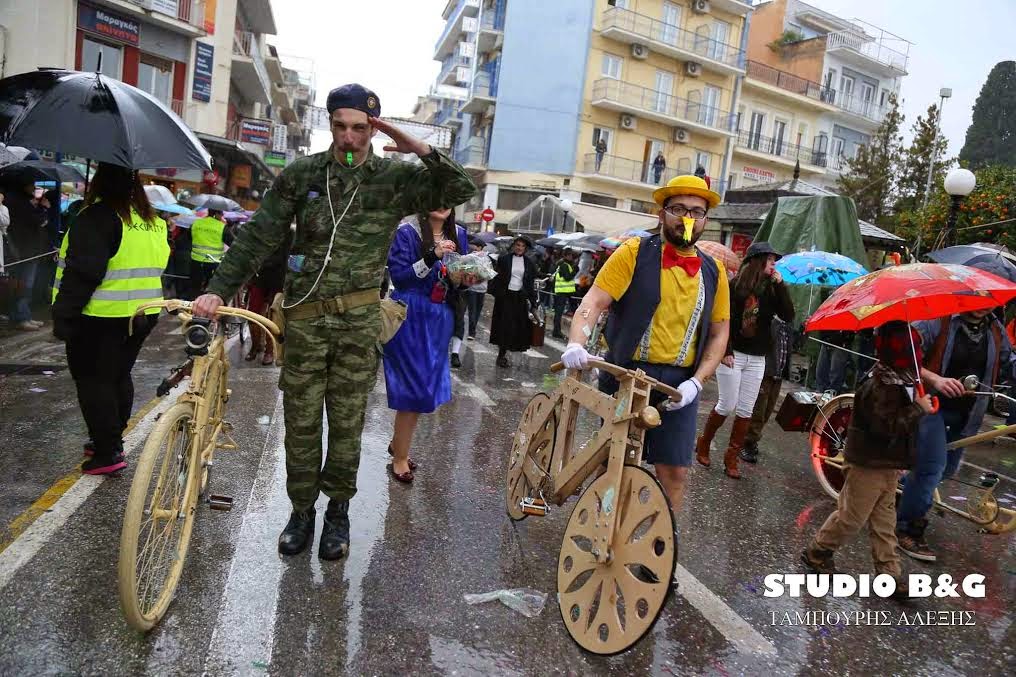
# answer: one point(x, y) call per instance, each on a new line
point(681, 210)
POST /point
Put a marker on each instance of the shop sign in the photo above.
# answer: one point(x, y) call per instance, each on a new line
point(204, 64)
point(108, 25)
point(758, 175)
point(274, 159)
point(739, 243)
point(256, 131)
point(240, 176)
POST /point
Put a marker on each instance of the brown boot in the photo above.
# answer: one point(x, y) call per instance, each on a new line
point(702, 446)
point(737, 436)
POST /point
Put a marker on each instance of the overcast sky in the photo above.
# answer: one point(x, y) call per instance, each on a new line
point(388, 45)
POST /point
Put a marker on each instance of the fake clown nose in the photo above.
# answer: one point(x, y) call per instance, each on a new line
point(689, 227)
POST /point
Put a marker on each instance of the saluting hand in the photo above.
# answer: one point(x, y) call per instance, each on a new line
point(404, 143)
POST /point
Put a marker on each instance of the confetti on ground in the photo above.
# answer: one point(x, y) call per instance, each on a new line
point(957, 498)
point(36, 390)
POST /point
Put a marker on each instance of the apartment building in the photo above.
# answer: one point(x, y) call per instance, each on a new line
point(816, 88)
point(206, 59)
point(543, 83)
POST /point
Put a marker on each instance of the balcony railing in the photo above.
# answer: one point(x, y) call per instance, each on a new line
point(493, 19)
point(474, 153)
point(668, 34)
point(780, 148)
point(451, 63)
point(448, 116)
point(246, 44)
point(485, 83)
point(634, 171)
point(661, 103)
point(790, 82)
point(858, 106)
point(872, 49)
point(192, 12)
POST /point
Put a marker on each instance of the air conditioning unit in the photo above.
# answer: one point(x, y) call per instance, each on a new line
point(627, 121)
point(681, 135)
point(700, 6)
point(639, 51)
point(693, 69)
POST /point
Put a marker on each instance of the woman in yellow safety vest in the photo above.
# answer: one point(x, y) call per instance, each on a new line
point(111, 262)
point(209, 237)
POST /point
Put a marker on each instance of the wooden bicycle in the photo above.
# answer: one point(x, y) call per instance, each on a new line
point(619, 549)
point(174, 468)
point(828, 439)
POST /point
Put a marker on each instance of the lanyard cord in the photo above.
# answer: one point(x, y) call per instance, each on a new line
point(335, 227)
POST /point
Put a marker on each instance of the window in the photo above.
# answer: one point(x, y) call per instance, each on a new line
point(671, 21)
point(710, 105)
point(720, 33)
point(837, 151)
point(644, 207)
point(847, 86)
point(779, 137)
point(702, 160)
point(755, 131)
point(664, 89)
point(602, 133)
point(516, 199)
point(611, 66)
point(155, 76)
point(90, 51)
point(883, 100)
point(602, 200)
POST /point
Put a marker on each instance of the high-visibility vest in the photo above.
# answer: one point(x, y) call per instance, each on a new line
point(561, 285)
point(134, 274)
point(206, 240)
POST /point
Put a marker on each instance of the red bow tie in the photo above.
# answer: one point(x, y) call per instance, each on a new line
point(671, 258)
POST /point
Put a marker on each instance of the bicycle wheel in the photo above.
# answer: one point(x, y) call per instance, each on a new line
point(828, 439)
point(158, 520)
point(531, 454)
point(215, 390)
point(608, 607)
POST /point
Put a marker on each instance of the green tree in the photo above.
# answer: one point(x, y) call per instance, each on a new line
point(872, 175)
point(913, 173)
point(991, 136)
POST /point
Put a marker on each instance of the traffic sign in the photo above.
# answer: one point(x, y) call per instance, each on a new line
point(487, 215)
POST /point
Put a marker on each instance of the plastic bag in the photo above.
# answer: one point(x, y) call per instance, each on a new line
point(475, 263)
point(526, 601)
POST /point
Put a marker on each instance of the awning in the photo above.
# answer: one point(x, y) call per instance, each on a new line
point(236, 152)
point(545, 212)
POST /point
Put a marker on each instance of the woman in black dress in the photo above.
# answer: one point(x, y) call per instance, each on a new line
point(514, 291)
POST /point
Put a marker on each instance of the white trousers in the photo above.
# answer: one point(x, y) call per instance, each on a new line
point(739, 385)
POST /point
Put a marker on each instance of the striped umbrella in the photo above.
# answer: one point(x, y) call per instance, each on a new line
point(725, 255)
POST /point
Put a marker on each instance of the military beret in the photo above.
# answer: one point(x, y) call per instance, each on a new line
point(356, 97)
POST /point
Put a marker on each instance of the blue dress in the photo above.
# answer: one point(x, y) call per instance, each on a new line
point(417, 375)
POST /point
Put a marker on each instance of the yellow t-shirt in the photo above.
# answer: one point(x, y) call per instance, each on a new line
point(668, 336)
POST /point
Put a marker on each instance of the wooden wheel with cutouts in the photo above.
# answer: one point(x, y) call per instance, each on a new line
point(532, 451)
point(609, 607)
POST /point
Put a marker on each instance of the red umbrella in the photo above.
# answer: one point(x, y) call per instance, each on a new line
point(916, 291)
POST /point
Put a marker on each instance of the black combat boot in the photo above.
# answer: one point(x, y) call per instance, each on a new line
point(297, 535)
point(335, 532)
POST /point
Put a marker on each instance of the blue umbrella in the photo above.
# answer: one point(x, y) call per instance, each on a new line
point(171, 208)
point(822, 268)
point(986, 259)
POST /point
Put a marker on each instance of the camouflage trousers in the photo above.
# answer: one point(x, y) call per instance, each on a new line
point(330, 368)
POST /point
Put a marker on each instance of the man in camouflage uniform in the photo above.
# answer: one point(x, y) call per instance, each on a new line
point(347, 203)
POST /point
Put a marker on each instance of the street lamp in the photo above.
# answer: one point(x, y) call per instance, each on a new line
point(944, 94)
point(958, 183)
point(566, 206)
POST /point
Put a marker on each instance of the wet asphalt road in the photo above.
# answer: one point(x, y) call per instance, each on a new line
point(395, 606)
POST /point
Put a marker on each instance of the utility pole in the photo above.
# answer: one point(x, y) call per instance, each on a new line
point(944, 94)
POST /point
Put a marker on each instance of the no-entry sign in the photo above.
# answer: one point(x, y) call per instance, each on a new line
point(487, 215)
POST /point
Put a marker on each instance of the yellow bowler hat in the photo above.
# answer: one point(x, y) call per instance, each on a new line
point(686, 185)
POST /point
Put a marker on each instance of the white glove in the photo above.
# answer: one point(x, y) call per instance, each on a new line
point(575, 356)
point(689, 390)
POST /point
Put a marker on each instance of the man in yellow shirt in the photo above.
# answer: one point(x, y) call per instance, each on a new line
point(669, 316)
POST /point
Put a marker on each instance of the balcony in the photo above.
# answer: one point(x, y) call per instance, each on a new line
point(780, 151)
point(258, 15)
point(249, 72)
point(454, 27)
point(473, 155)
point(781, 82)
point(872, 54)
point(629, 172)
point(448, 117)
point(455, 70)
point(483, 93)
point(187, 19)
point(631, 28)
point(690, 113)
point(491, 29)
point(866, 110)
point(471, 9)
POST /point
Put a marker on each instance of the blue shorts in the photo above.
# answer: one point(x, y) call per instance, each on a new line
point(673, 441)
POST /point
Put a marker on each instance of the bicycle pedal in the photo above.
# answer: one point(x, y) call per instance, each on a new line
point(534, 506)
point(223, 503)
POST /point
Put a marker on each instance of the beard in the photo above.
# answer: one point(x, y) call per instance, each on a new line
point(675, 235)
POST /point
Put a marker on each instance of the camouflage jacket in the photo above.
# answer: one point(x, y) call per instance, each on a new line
point(388, 190)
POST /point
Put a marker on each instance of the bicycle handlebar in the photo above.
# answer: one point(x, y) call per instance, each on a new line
point(672, 393)
point(176, 304)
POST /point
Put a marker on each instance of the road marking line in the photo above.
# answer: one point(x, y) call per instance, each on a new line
point(737, 631)
point(26, 545)
point(474, 391)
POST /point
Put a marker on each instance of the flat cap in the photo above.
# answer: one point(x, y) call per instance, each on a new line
point(354, 96)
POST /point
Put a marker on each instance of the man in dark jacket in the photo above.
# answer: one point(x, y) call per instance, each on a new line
point(28, 238)
point(881, 441)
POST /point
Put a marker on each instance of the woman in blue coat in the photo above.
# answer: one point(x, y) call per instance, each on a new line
point(417, 375)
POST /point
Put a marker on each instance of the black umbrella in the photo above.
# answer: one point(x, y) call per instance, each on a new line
point(95, 117)
point(39, 170)
point(214, 202)
point(548, 242)
point(991, 261)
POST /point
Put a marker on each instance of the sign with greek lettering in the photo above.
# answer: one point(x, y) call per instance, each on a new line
point(256, 131)
point(204, 64)
point(108, 24)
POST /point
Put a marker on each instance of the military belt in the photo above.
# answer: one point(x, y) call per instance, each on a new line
point(333, 306)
